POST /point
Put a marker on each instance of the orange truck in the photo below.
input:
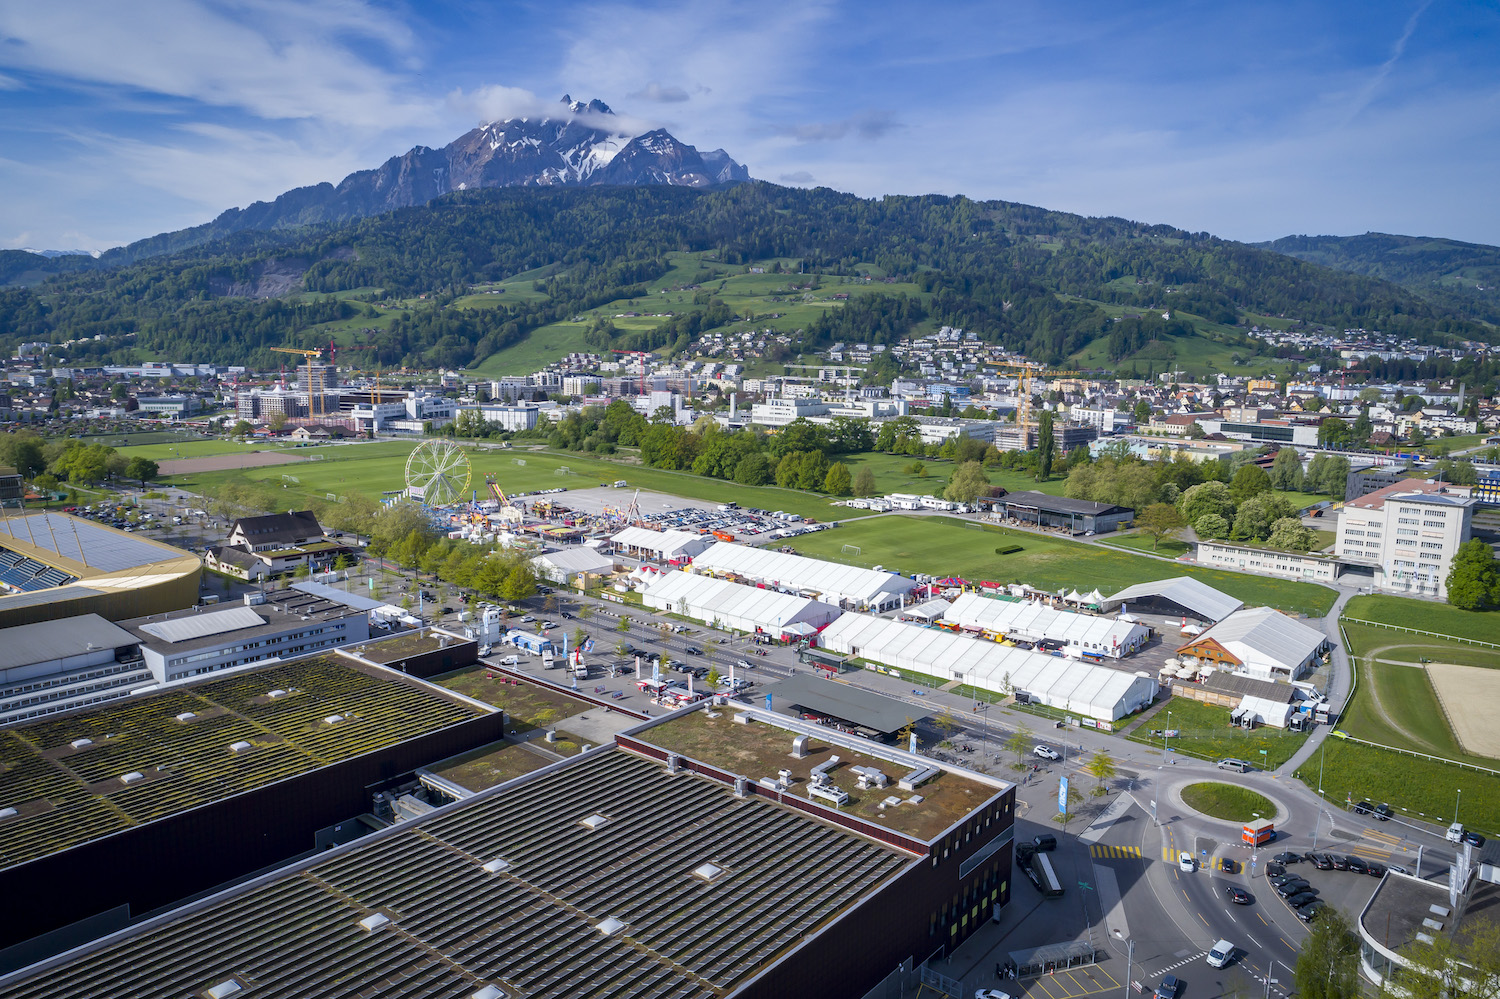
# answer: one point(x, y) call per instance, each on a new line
point(1259, 832)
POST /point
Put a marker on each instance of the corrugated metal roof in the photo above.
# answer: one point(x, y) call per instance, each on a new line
point(353, 601)
point(193, 626)
point(1185, 591)
point(974, 610)
point(1268, 633)
point(27, 644)
point(798, 572)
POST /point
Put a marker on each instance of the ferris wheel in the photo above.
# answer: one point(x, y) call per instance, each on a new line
point(438, 473)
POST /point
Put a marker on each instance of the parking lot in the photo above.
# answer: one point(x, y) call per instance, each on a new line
point(664, 512)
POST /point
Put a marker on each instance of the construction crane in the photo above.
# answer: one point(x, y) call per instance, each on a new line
point(642, 355)
point(1030, 371)
point(314, 381)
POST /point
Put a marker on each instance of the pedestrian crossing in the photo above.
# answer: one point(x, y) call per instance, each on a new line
point(1118, 852)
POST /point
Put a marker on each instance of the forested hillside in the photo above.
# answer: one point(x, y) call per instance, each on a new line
point(1462, 277)
point(1025, 277)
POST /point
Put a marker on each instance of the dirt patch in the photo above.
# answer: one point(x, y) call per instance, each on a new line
point(1469, 695)
point(227, 462)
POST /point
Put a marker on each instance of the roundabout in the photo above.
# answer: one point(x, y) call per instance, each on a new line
point(1227, 802)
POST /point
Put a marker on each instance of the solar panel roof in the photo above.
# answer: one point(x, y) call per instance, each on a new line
point(79, 540)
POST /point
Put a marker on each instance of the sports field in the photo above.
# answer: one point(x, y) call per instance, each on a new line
point(1469, 696)
point(948, 546)
point(379, 467)
point(197, 449)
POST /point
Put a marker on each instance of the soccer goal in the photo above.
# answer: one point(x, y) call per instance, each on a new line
point(316, 457)
point(519, 461)
point(851, 549)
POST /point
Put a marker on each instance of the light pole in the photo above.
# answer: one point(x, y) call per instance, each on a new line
point(1129, 959)
point(1455, 805)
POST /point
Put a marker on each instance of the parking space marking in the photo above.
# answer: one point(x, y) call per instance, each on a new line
point(1098, 850)
point(1065, 983)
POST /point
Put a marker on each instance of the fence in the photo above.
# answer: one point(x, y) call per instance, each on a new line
point(1418, 631)
point(1412, 752)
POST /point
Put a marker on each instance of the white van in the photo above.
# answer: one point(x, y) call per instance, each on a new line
point(1455, 832)
point(1220, 954)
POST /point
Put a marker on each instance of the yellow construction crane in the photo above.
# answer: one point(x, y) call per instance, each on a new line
point(314, 380)
point(1030, 371)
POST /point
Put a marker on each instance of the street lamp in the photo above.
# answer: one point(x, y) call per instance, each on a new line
point(1129, 959)
point(1456, 803)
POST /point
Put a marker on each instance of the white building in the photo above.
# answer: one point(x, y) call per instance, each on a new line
point(564, 567)
point(509, 417)
point(846, 585)
point(1268, 561)
point(661, 546)
point(1258, 642)
point(1408, 533)
point(1097, 692)
point(1081, 634)
point(735, 606)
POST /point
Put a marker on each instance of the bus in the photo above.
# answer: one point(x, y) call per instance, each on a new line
point(1045, 877)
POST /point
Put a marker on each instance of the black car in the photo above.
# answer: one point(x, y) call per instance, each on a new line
point(1288, 858)
point(693, 650)
point(1292, 888)
point(1339, 863)
point(1383, 812)
point(1168, 987)
point(1307, 913)
point(1363, 808)
point(1300, 899)
point(1473, 838)
point(1321, 861)
point(1375, 870)
point(566, 615)
point(1284, 878)
point(1356, 864)
point(1238, 896)
point(1275, 870)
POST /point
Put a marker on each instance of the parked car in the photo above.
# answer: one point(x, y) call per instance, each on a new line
point(1238, 766)
point(1307, 913)
point(1321, 861)
point(1288, 858)
point(1383, 812)
point(1274, 870)
point(1046, 753)
point(693, 650)
point(1300, 899)
point(1473, 838)
point(1292, 888)
point(1168, 987)
point(1044, 843)
point(1363, 808)
point(1339, 863)
point(1356, 864)
point(990, 994)
point(1238, 896)
point(1374, 870)
point(744, 664)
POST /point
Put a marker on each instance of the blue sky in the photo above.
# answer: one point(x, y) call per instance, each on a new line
point(1248, 120)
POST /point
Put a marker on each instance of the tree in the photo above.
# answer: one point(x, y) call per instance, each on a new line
point(1046, 444)
point(1101, 767)
point(623, 624)
point(967, 483)
point(1327, 475)
point(1449, 969)
point(838, 481)
point(1020, 744)
point(1211, 525)
point(1250, 481)
point(1206, 498)
point(241, 428)
point(864, 481)
point(1328, 964)
point(1141, 412)
point(1289, 534)
point(277, 422)
point(1160, 520)
point(1474, 579)
point(142, 469)
point(753, 470)
point(1286, 470)
point(1255, 517)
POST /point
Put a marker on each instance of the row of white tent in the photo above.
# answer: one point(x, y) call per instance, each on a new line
point(733, 605)
point(845, 585)
point(1032, 620)
point(1067, 684)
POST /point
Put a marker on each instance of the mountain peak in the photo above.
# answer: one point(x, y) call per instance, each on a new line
point(578, 107)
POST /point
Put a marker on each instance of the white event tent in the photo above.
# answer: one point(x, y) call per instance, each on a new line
point(845, 585)
point(745, 608)
point(1080, 633)
point(1068, 684)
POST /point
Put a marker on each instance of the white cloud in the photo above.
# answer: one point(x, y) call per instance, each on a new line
point(275, 59)
point(654, 91)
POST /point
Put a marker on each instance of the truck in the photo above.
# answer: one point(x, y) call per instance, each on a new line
point(1258, 832)
point(580, 668)
point(1045, 878)
point(530, 642)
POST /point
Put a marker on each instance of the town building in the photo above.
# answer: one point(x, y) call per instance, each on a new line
point(67, 664)
point(1407, 534)
point(1268, 561)
point(1072, 515)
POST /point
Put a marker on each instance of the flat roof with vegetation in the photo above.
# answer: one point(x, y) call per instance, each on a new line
point(82, 775)
point(606, 876)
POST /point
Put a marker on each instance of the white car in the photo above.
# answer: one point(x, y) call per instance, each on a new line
point(1046, 753)
point(744, 664)
point(510, 661)
point(738, 683)
point(990, 994)
point(1185, 862)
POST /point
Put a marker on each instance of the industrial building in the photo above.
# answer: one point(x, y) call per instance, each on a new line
point(1080, 634)
point(280, 625)
point(1096, 692)
point(1072, 515)
point(124, 808)
point(1259, 642)
point(53, 566)
point(1182, 595)
point(847, 586)
point(53, 666)
point(737, 607)
point(656, 867)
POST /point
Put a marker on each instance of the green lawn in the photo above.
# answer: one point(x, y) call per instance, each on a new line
point(1206, 732)
point(1352, 772)
point(1395, 705)
point(538, 350)
point(891, 475)
point(196, 449)
point(1404, 612)
point(1226, 801)
point(1168, 547)
point(946, 545)
point(379, 467)
point(1301, 501)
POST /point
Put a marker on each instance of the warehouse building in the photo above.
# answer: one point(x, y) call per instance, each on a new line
point(172, 792)
point(54, 566)
point(1182, 595)
point(54, 666)
point(1259, 642)
point(1072, 515)
point(600, 875)
point(1097, 692)
point(1080, 634)
point(660, 546)
point(737, 607)
point(847, 586)
point(565, 566)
